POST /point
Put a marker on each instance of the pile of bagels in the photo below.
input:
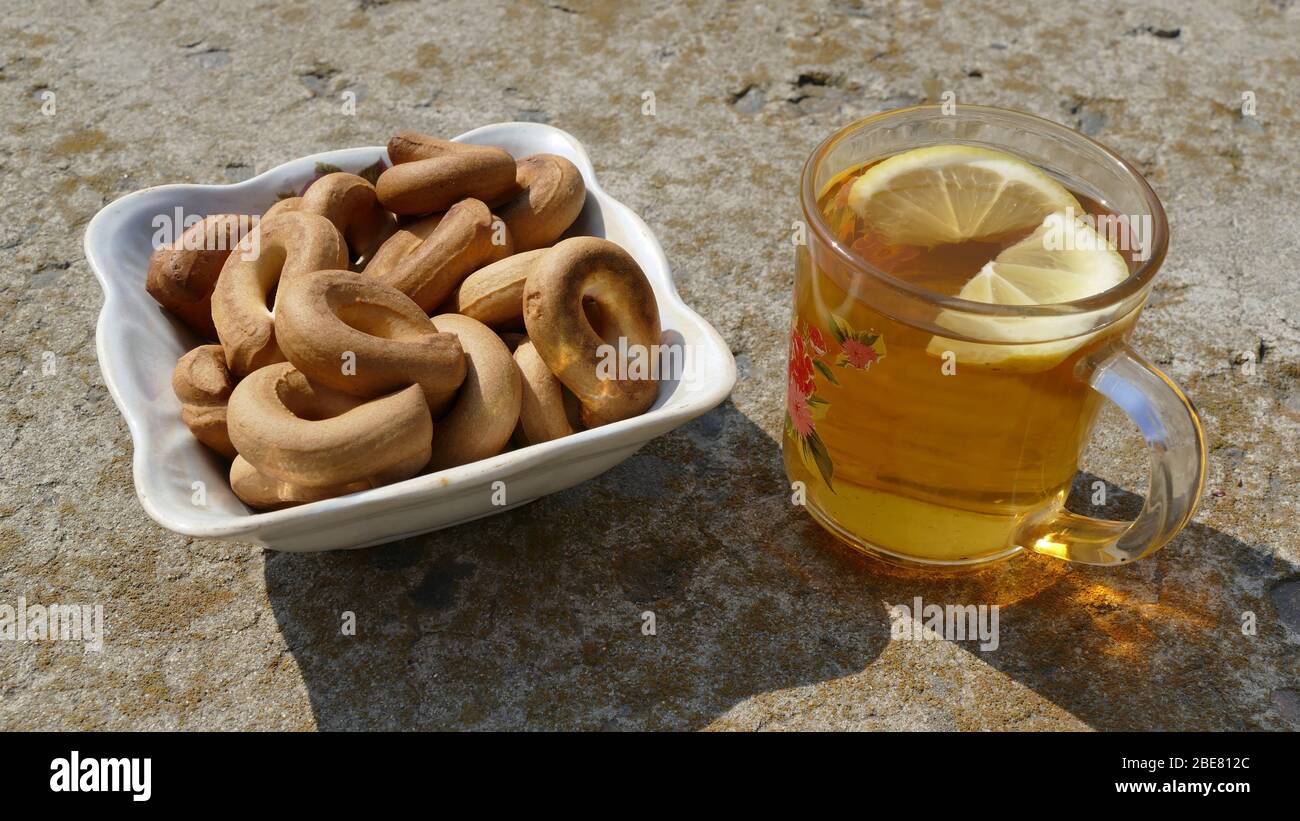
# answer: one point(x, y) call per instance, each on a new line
point(363, 334)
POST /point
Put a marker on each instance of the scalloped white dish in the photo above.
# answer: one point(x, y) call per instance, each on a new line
point(138, 344)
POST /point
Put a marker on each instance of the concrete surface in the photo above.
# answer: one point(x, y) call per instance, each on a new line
point(533, 618)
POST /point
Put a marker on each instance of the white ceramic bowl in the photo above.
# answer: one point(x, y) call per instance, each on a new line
point(138, 344)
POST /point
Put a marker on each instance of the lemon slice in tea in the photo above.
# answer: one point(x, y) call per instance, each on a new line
point(954, 193)
point(1043, 268)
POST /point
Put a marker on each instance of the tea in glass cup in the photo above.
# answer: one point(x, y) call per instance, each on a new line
point(963, 303)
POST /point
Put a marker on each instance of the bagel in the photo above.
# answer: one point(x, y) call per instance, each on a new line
point(281, 206)
point(480, 423)
point(322, 316)
point(431, 175)
point(258, 490)
point(494, 294)
point(548, 410)
point(409, 146)
point(405, 238)
point(461, 242)
point(202, 383)
point(183, 274)
point(597, 269)
point(350, 203)
point(290, 242)
point(553, 196)
point(306, 434)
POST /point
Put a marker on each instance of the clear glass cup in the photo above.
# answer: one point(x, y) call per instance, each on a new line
point(931, 430)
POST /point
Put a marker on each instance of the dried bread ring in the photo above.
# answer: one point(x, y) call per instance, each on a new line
point(281, 206)
point(441, 173)
point(182, 275)
point(263, 492)
point(464, 240)
point(592, 268)
point(409, 146)
point(480, 423)
point(351, 204)
point(299, 432)
point(293, 241)
point(553, 196)
point(406, 238)
point(203, 384)
point(494, 294)
point(548, 410)
point(323, 317)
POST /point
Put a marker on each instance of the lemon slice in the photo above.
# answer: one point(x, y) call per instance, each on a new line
point(1063, 260)
point(953, 193)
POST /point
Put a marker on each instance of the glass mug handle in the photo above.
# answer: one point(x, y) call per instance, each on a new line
point(1172, 430)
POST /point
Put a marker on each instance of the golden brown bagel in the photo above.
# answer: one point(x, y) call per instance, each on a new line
point(409, 146)
point(183, 274)
point(350, 203)
point(306, 434)
point(408, 236)
point(589, 267)
point(202, 383)
point(553, 196)
point(462, 242)
point(547, 411)
point(263, 492)
point(494, 294)
point(293, 241)
point(281, 206)
point(486, 410)
point(436, 174)
point(323, 316)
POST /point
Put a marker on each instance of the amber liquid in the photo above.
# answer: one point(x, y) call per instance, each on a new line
point(927, 463)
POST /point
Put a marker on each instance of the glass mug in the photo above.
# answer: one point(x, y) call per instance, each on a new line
point(932, 430)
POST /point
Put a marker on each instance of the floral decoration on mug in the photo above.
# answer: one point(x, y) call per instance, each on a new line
point(858, 350)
